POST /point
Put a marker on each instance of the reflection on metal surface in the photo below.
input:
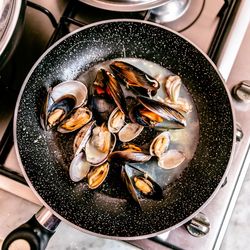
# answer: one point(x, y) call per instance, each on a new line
point(177, 15)
point(241, 91)
point(234, 40)
point(170, 11)
point(125, 5)
point(199, 225)
point(47, 219)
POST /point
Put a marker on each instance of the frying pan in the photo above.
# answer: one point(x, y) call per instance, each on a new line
point(102, 212)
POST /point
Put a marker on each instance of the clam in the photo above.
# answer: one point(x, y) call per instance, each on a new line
point(100, 144)
point(139, 184)
point(79, 167)
point(160, 144)
point(181, 105)
point(171, 159)
point(82, 137)
point(163, 110)
point(129, 132)
point(116, 120)
point(75, 120)
point(97, 175)
point(131, 153)
point(173, 86)
point(135, 78)
point(61, 100)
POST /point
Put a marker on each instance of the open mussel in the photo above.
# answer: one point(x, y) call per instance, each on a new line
point(135, 78)
point(100, 144)
point(97, 175)
point(163, 110)
point(106, 84)
point(145, 117)
point(61, 100)
point(75, 120)
point(131, 153)
point(139, 184)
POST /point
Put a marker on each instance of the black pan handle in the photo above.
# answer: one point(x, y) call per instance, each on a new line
point(36, 232)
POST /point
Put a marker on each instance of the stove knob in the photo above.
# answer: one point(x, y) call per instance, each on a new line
point(241, 91)
point(199, 225)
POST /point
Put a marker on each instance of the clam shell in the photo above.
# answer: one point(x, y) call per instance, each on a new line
point(171, 159)
point(129, 132)
point(79, 167)
point(94, 155)
point(82, 137)
point(173, 86)
point(160, 144)
point(116, 121)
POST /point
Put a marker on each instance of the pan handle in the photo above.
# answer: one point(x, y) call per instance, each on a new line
point(36, 231)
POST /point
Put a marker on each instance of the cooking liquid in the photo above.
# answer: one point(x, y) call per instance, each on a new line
point(185, 140)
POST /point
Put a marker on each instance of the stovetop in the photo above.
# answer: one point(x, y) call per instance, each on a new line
point(217, 27)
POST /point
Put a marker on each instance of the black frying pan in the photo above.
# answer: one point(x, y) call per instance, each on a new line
point(98, 212)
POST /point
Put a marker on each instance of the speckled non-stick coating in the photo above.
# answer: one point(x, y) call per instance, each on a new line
point(101, 211)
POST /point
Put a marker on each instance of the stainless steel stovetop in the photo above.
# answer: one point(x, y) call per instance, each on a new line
point(199, 24)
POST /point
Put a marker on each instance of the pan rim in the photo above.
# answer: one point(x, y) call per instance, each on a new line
point(67, 221)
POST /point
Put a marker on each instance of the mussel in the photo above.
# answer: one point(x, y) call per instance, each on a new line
point(100, 144)
point(131, 153)
point(139, 184)
point(163, 110)
point(107, 84)
point(135, 78)
point(75, 120)
point(129, 132)
point(61, 100)
point(145, 117)
point(97, 175)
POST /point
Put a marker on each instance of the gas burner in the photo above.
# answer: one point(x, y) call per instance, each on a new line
point(177, 14)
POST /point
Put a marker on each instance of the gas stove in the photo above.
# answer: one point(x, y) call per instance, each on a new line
point(217, 27)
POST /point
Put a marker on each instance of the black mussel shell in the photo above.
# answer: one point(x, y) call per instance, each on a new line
point(135, 78)
point(101, 108)
point(162, 110)
point(130, 175)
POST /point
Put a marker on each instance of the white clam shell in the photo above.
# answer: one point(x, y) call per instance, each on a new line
point(119, 122)
point(171, 159)
point(166, 135)
point(79, 168)
point(129, 132)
